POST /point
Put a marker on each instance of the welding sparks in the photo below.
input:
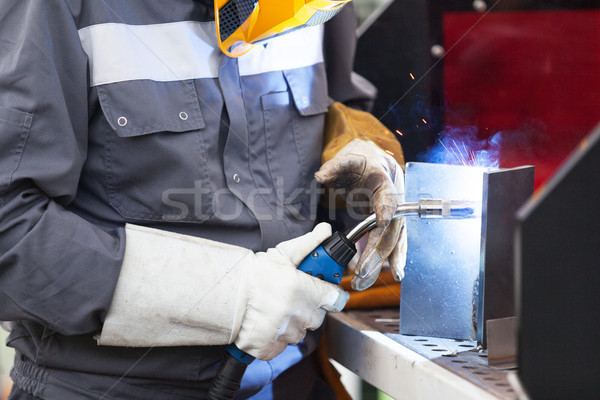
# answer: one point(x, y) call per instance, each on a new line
point(470, 155)
point(389, 152)
point(423, 119)
point(460, 146)
point(463, 158)
point(459, 158)
point(444, 146)
point(466, 159)
point(399, 133)
point(412, 76)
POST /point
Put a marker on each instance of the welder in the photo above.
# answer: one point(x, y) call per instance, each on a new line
point(159, 173)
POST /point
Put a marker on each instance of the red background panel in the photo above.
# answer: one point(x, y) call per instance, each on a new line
point(534, 76)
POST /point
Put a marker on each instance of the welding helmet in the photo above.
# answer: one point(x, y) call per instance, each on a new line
point(241, 23)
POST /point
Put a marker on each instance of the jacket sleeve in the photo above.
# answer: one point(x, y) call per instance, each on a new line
point(56, 268)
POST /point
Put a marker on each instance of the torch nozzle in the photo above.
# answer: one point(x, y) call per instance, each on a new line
point(442, 208)
point(424, 208)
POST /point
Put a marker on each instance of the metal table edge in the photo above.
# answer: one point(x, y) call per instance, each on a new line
point(391, 367)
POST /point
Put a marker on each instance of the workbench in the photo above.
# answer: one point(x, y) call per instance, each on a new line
point(409, 367)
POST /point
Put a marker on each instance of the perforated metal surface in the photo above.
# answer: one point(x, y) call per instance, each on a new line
point(472, 365)
point(462, 357)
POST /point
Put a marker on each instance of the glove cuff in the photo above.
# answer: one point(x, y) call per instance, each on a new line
point(175, 290)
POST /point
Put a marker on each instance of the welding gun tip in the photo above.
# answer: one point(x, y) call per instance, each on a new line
point(464, 209)
point(462, 212)
point(442, 208)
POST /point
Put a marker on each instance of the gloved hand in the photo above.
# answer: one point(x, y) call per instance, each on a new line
point(283, 302)
point(366, 170)
point(176, 290)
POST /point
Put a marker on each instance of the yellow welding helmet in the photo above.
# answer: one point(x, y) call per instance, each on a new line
point(241, 23)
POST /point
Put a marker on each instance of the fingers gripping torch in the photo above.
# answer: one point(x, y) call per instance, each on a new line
point(327, 262)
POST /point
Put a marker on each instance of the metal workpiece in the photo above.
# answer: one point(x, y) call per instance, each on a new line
point(501, 337)
point(459, 272)
point(504, 192)
point(442, 268)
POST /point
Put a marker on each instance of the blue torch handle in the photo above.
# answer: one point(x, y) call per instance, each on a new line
point(320, 265)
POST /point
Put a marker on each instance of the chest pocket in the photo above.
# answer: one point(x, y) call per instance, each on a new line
point(155, 154)
point(294, 122)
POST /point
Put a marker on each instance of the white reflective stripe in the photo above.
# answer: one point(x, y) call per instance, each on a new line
point(300, 48)
point(186, 50)
point(161, 52)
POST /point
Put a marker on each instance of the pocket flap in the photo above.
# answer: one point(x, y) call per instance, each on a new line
point(135, 108)
point(309, 89)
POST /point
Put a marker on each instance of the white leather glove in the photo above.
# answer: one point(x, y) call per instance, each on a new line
point(283, 302)
point(180, 290)
point(362, 165)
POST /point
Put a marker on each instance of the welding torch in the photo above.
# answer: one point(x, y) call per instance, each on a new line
point(327, 262)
